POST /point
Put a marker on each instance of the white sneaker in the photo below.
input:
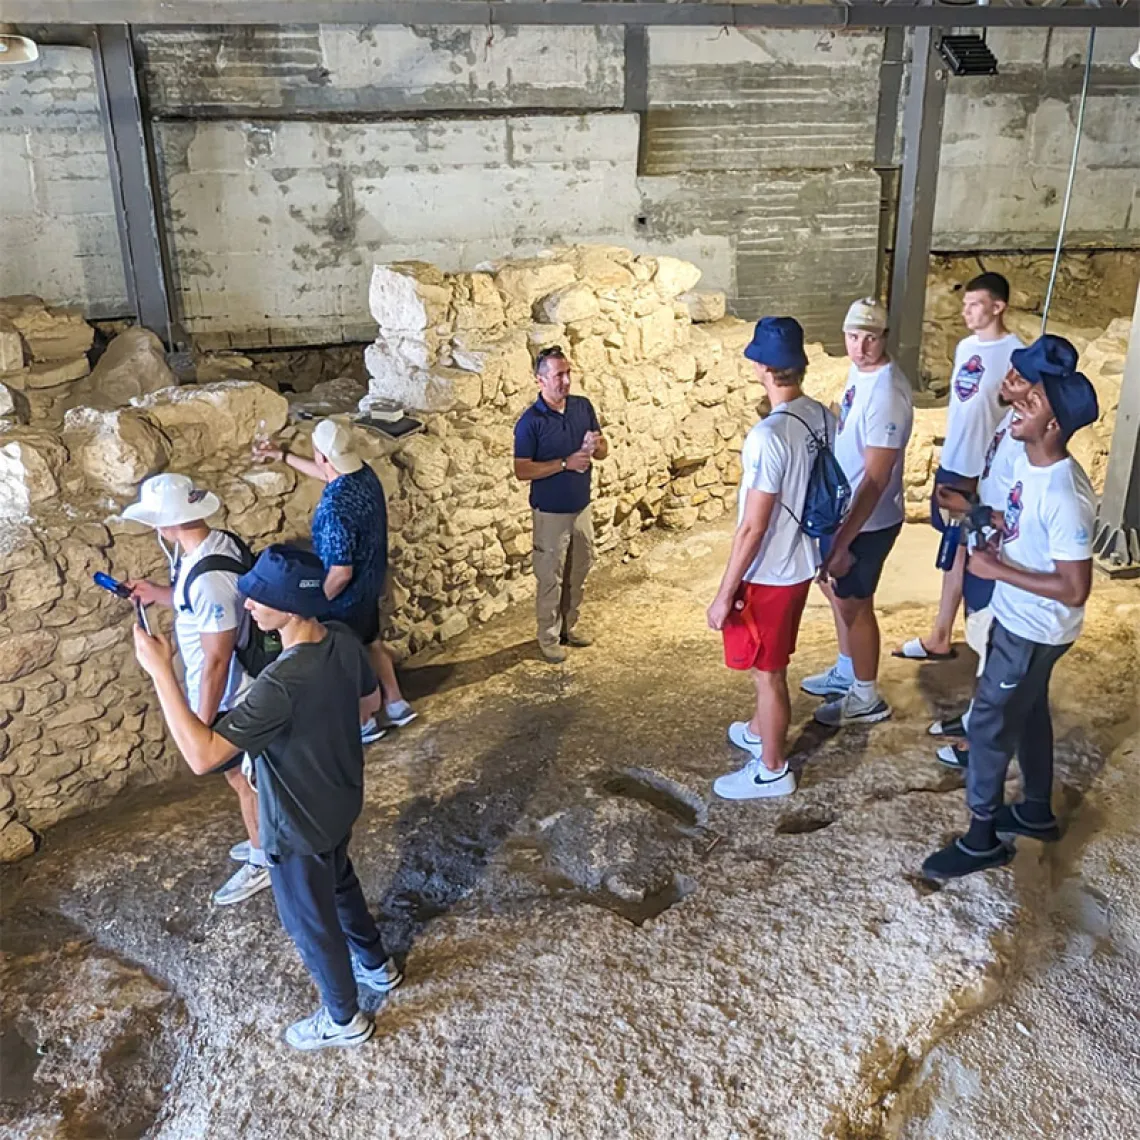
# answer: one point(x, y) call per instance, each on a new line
point(247, 880)
point(849, 710)
point(739, 735)
point(381, 979)
point(370, 731)
point(829, 684)
point(755, 782)
point(239, 852)
point(400, 713)
point(320, 1031)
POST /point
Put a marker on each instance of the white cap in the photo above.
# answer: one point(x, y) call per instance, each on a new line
point(171, 500)
point(333, 440)
point(866, 315)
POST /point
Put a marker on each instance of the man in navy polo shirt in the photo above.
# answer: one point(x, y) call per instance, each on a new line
point(557, 440)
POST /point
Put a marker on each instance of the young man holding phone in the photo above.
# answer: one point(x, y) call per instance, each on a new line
point(299, 726)
point(208, 621)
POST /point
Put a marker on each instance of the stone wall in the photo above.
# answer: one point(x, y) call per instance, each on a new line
point(77, 720)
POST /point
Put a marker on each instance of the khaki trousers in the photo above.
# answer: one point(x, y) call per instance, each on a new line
point(563, 552)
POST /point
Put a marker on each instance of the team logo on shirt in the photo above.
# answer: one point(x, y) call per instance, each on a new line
point(845, 407)
point(969, 378)
point(991, 451)
point(1013, 509)
point(217, 611)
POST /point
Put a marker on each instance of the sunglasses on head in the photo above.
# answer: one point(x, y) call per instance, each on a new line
point(554, 350)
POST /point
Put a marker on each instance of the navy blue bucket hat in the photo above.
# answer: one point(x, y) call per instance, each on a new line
point(1073, 400)
point(1048, 355)
point(778, 343)
point(287, 578)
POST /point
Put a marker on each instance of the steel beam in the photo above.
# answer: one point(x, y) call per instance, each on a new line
point(129, 153)
point(517, 12)
point(923, 108)
point(1116, 543)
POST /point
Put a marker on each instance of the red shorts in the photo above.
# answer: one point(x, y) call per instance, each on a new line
point(762, 633)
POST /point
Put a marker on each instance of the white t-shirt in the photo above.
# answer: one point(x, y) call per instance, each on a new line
point(216, 606)
point(777, 458)
point(875, 411)
point(1049, 517)
point(975, 383)
point(997, 468)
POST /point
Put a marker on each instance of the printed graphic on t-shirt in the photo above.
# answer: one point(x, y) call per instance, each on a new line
point(845, 406)
point(1013, 508)
point(969, 378)
point(991, 451)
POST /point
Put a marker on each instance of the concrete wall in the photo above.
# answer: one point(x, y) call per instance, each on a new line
point(292, 158)
point(57, 218)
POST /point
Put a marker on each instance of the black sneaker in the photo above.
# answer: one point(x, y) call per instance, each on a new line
point(954, 757)
point(1008, 821)
point(956, 859)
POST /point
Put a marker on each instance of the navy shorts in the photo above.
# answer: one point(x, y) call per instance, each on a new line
point(946, 478)
point(976, 592)
point(870, 550)
point(363, 620)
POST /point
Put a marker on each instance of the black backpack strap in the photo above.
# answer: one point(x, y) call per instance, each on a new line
point(224, 562)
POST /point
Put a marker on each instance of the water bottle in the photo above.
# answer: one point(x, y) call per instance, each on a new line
point(948, 547)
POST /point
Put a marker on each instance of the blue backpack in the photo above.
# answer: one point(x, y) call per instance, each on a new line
point(828, 497)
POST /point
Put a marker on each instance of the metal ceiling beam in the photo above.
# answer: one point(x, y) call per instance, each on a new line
point(588, 12)
point(129, 154)
point(923, 109)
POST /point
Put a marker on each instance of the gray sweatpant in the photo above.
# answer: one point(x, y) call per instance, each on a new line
point(563, 555)
point(1011, 714)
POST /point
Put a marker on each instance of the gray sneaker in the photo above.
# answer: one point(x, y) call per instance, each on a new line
point(240, 852)
point(847, 710)
point(381, 978)
point(829, 684)
point(246, 881)
point(399, 713)
point(319, 1031)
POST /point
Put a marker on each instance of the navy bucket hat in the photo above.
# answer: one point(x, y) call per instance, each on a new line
point(287, 578)
point(778, 343)
point(1048, 355)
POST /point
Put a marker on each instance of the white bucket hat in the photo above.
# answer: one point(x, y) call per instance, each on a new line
point(333, 440)
point(171, 500)
point(866, 315)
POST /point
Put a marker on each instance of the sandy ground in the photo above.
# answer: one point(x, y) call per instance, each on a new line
point(595, 946)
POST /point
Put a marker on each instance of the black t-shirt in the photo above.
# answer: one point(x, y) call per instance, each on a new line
point(300, 721)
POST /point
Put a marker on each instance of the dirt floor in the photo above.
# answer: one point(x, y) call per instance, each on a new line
point(595, 947)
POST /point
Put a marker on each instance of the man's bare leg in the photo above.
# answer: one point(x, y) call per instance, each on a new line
point(941, 637)
point(857, 616)
point(772, 717)
point(247, 801)
point(840, 626)
point(385, 670)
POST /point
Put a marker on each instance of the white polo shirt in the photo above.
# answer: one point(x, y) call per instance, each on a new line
point(1049, 517)
point(777, 458)
point(875, 410)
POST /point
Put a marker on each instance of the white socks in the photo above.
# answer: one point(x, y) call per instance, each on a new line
point(844, 667)
point(864, 692)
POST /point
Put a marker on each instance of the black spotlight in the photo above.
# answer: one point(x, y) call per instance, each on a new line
point(967, 55)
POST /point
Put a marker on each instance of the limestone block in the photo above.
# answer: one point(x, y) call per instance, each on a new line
point(117, 450)
point(605, 269)
point(522, 283)
point(574, 303)
point(49, 374)
point(704, 307)
point(674, 277)
point(16, 842)
point(481, 306)
point(13, 408)
point(452, 625)
point(697, 440)
point(679, 518)
point(270, 481)
point(133, 366)
point(11, 347)
point(408, 296)
point(23, 653)
point(656, 331)
point(202, 420)
point(29, 462)
point(34, 587)
point(424, 458)
point(49, 333)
